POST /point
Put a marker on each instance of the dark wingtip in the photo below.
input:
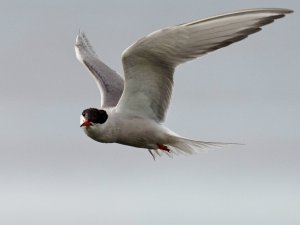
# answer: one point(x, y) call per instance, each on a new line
point(289, 11)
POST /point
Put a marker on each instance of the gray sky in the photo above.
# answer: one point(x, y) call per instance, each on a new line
point(51, 173)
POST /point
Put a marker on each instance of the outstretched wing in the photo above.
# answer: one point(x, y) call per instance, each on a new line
point(150, 62)
point(109, 82)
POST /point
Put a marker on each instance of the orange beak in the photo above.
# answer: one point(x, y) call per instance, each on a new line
point(86, 123)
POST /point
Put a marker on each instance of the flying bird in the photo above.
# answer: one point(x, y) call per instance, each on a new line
point(133, 108)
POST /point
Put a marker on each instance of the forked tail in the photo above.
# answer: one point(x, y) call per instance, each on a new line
point(186, 146)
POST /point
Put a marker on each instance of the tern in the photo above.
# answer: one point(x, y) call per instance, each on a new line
point(133, 108)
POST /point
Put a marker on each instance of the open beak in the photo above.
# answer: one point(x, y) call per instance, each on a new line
point(86, 123)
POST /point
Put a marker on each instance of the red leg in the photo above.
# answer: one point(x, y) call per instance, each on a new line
point(163, 147)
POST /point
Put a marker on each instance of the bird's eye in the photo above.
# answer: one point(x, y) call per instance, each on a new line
point(83, 114)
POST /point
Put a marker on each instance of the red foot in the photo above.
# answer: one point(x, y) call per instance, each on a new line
point(163, 147)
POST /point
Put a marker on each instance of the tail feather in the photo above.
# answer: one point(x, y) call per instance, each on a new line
point(186, 146)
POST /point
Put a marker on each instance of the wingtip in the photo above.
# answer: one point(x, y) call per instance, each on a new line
point(284, 11)
point(81, 33)
point(288, 10)
point(80, 38)
point(82, 44)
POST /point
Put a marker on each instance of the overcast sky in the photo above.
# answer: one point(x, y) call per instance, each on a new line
point(249, 92)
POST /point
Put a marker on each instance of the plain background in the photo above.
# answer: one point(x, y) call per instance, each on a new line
point(52, 174)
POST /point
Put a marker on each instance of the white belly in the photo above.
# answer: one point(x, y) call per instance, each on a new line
point(142, 133)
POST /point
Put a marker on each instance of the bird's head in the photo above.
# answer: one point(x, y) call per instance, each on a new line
point(92, 117)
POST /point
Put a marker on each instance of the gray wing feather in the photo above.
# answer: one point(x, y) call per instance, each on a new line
point(150, 62)
point(109, 82)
